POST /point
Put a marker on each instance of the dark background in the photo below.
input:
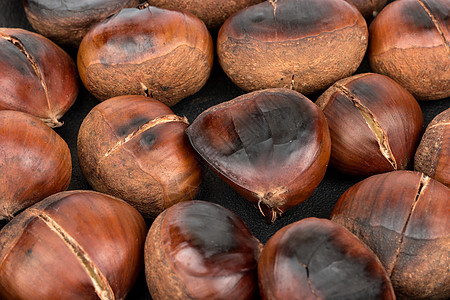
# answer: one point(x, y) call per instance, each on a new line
point(218, 89)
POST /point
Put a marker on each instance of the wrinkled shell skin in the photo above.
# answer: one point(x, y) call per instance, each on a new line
point(212, 12)
point(35, 162)
point(148, 51)
point(433, 154)
point(403, 216)
point(318, 259)
point(368, 8)
point(375, 124)
point(46, 250)
point(66, 22)
point(272, 146)
point(36, 76)
point(410, 42)
point(200, 250)
point(305, 45)
point(123, 152)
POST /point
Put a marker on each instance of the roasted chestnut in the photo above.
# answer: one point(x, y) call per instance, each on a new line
point(375, 124)
point(149, 51)
point(200, 250)
point(368, 8)
point(318, 259)
point(305, 45)
point(410, 42)
point(72, 245)
point(36, 76)
point(433, 154)
point(135, 148)
point(35, 162)
point(66, 22)
point(272, 146)
point(403, 216)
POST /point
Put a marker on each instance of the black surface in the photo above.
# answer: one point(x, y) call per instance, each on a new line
point(218, 89)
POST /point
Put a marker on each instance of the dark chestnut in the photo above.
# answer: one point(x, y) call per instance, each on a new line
point(272, 146)
point(36, 76)
point(66, 22)
point(318, 259)
point(72, 245)
point(410, 42)
point(35, 162)
point(305, 45)
point(403, 216)
point(433, 154)
point(135, 148)
point(200, 250)
point(375, 124)
point(368, 8)
point(162, 53)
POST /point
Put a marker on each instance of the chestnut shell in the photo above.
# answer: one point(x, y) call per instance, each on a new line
point(368, 8)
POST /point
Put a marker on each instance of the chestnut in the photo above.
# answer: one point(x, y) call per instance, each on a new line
point(35, 162)
point(272, 146)
point(403, 216)
point(135, 148)
point(410, 42)
point(165, 54)
point(433, 154)
point(36, 76)
point(212, 12)
point(67, 22)
point(368, 8)
point(305, 45)
point(72, 245)
point(318, 259)
point(375, 124)
point(201, 250)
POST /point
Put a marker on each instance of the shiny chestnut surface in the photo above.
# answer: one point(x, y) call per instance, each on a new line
point(200, 250)
point(368, 8)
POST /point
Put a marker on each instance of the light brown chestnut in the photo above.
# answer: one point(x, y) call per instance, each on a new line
point(36, 76)
point(368, 8)
point(72, 245)
point(35, 162)
point(200, 250)
point(305, 45)
point(433, 154)
point(375, 124)
point(166, 54)
point(272, 146)
point(410, 42)
point(318, 259)
point(404, 217)
point(135, 148)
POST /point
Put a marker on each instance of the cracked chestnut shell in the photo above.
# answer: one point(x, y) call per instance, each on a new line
point(66, 22)
point(35, 162)
point(135, 148)
point(36, 76)
point(403, 216)
point(201, 250)
point(318, 259)
point(272, 146)
point(368, 8)
point(433, 154)
point(72, 245)
point(375, 124)
point(305, 45)
point(410, 42)
point(166, 54)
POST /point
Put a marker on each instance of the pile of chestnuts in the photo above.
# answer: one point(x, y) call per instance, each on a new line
point(245, 149)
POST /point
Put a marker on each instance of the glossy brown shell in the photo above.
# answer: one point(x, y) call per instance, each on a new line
point(403, 216)
point(306, 45)
point(318, 259)
point(36, 76)
point(272, 146)
point(72, 245)
point(410, 42)
point(200, 250)
point(368, 8)
point(35, 162)
point(166, 54)
point(135, 148)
